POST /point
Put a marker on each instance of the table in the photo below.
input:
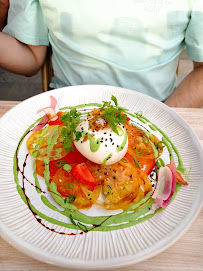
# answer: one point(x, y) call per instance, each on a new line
point(185, 254)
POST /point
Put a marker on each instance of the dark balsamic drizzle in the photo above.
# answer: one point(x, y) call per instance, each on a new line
point(24, 178)
point(99, 225)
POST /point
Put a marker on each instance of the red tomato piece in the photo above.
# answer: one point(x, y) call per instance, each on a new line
point(73, 158)
point(58, 121)
point(146, 165)
point(82, 173)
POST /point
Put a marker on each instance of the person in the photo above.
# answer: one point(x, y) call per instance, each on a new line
point(133, 44)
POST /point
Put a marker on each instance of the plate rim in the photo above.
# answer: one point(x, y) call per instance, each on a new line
point(6, 235)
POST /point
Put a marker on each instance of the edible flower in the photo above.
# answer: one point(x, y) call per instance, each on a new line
point(50, 115)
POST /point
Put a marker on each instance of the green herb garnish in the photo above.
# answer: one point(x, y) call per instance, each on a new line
point(71, 120)
point(78, 135)
point(112, 113)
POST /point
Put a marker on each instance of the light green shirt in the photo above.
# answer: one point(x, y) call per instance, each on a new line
point(133, 44)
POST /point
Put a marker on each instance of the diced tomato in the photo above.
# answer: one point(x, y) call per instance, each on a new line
point(73, 158)
point(58, 121)
point(82, 173)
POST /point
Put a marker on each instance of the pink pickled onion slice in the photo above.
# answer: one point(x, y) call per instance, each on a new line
point(164, 184)
point(50, 115)
point(53, 102)
point(41, 124)
point(164, 203)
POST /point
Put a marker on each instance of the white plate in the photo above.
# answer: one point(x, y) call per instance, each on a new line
point(100, 250)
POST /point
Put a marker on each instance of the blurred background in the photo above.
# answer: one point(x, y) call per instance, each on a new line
point(18, 88)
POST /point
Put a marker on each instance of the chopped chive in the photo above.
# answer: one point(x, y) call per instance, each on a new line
point(69, 186)
point(35, 153)
point(60, 163)
point(70, 198)
point(136, 162)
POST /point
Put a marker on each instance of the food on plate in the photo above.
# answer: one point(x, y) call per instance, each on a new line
point(99, 155)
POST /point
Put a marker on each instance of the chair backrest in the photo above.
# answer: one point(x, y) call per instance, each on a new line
point(47, 71)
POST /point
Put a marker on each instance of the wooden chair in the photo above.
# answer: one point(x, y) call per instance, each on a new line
point(47, 71)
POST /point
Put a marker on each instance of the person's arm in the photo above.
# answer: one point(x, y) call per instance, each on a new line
point(20, 58)
point(4, 6)
point(16, 56)
point(190, 91)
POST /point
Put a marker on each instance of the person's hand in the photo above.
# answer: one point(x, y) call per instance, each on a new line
point(189, 93)
point(4, 6)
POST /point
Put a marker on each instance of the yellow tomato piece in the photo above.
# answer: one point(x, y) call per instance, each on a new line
point(42, 141)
